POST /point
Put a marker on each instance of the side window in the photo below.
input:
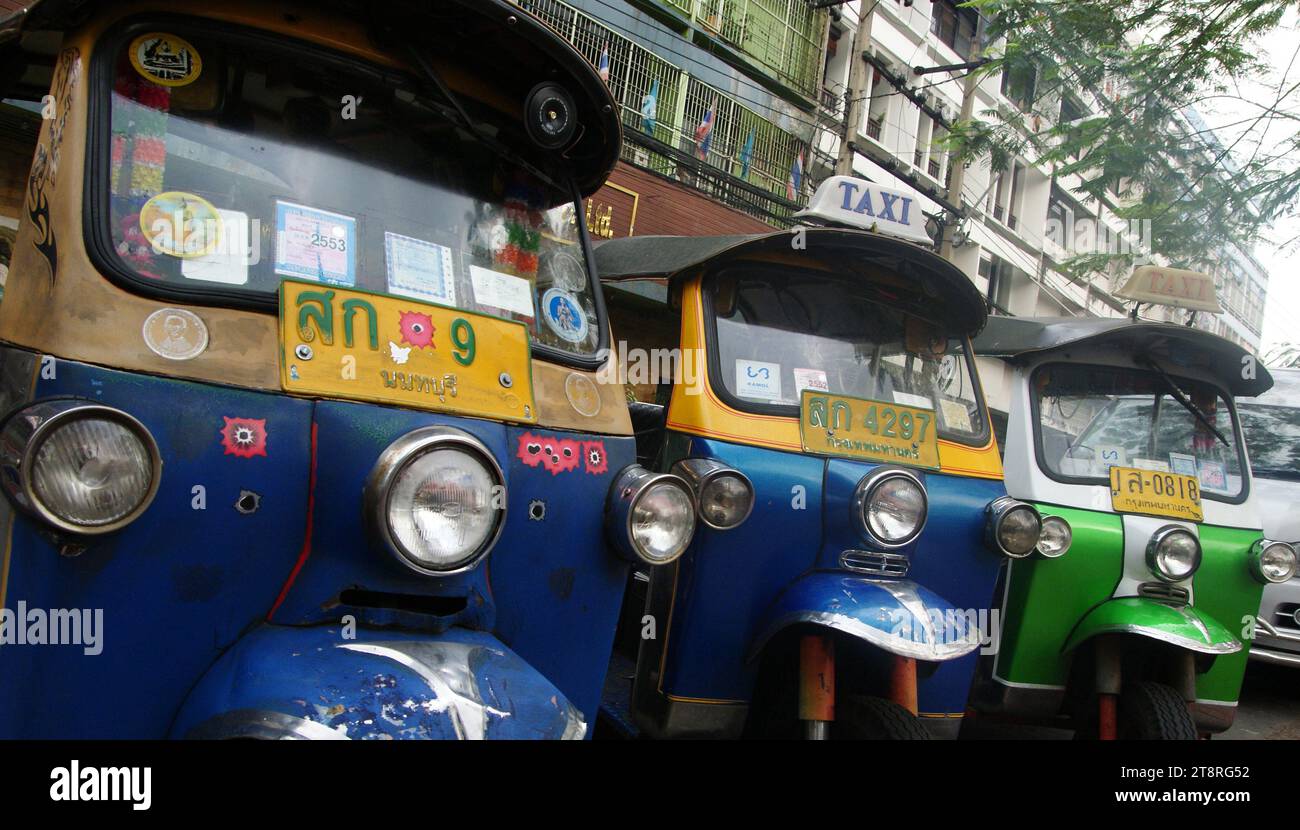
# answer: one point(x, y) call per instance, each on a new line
point(646, 336)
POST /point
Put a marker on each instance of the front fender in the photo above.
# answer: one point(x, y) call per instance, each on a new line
point(896, 615)
point(1180, 626)
point(288, 682)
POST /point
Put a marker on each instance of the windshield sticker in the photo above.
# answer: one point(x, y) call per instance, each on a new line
point(759, 380)
point(810, 379)
point(919, 401)
point(564, 316)
point(956, 417)
point(1213, 475)
point(1111, 456)
point(229, 262)
point(503, 291)
point(1151, 464)
point(315, 244)
point(1182, 463)
point(565, 271)
point(175, 334)
point(181, 224)
point(166, 59)
point(419, 269)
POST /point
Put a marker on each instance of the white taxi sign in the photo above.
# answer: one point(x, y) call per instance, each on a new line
point(858, 203)
point(1172, 287)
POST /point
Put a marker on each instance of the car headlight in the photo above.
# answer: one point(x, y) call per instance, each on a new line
point(437, 499)
point(1012, 527)
point(724, 497)
point(1272, 561)
point(1174, 553)
point(84, 468)
point(890, 507)
point(1055, 537)
point(649, 516)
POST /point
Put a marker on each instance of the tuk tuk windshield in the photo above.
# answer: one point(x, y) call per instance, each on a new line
point(1092, 418)
point(256, 166)
point(1272, 426)
point(781, 332)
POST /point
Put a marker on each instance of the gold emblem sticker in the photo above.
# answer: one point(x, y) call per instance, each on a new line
point(1155, 493)
point(166, 59)
point(341, 343)
point(868, 430)
point(181, 224)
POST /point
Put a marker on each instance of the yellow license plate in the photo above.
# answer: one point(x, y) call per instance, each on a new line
point(868, 430)
point(1155, 493)
point(340, 343)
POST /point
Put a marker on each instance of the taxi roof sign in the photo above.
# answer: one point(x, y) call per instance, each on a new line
point(848, 201)
point(1172, 287)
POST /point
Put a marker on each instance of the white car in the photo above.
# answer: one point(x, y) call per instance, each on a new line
point(1272, 426)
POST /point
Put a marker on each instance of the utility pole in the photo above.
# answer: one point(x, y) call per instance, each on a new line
point(855, 95)
point(958, 178)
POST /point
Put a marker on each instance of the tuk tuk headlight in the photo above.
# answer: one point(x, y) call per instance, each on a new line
point(1272, 562)
point(1174, 553)
point(1012, 527)
point(437, 499)
point(724, 497)
point(81, 467)
point(1055, 538)
point(890, 506)
point(649, 516)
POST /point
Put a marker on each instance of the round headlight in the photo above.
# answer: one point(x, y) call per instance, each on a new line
point(650, 516)
point(724, 497)
point(84, 468)
point(1055, 538)
point(437, 498)
point(1013, 527)
point(1173, 554)
point(891, 506)
point(1273, 561)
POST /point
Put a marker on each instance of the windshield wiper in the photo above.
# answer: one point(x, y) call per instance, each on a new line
point(1179, 395)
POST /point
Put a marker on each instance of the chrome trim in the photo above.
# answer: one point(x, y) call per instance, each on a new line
point(1257, 555)
point(263, 724)
point(699, 473)
point(1153, 545)
point(995, 513)
point(1165, 637)
point(1269, 629)
point(875, 563)
point(1296, 616)
point(1069, 532)
point(1164, 592)
point(862, 495)
point(26, 430)
point(1276, 658)
point(631, 483)
point(395, 457)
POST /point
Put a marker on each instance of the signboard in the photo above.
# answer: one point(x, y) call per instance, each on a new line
point(1172, 287)
point(858, 203)
point(868, 430)
point(1155, 493)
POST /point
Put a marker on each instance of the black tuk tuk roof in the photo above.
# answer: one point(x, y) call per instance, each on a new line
point(642, 257)
point(494, 40)
point(1014, 338)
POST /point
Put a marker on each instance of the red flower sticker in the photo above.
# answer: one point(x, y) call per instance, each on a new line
point(244, 437)
point(417, 329)
point(568, 455)
point(593, 456)
point(530, 450)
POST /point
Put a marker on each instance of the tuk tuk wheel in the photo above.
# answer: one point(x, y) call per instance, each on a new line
point(1154, 712)
point(858, 717)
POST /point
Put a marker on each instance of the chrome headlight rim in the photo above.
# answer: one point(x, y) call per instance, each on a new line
point(862, 499)
point(25, 432)
point(400, 454)
point(699, 473)
point(1069, 535)
point(996, 513)
point(1153, 549)
point(1256, 562)
point(629, 486)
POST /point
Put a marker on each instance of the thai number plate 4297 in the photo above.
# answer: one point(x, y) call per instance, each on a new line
point(1155, 493)
point(341, 343)
point(868, 430)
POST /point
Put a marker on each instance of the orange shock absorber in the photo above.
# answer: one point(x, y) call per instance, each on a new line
point(817, 684)
point(1107, 717)
point(902, 683)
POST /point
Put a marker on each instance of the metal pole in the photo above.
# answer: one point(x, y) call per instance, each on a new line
point(855, 95)
point(958, 178)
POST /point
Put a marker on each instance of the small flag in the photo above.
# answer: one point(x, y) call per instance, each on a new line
point(704, 133)
point(747, 155)
point(796, 177)
point(604, 63)
point(649, 107)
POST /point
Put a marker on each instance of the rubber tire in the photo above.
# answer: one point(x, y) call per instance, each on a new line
point(858, 717)
point(1154, 712)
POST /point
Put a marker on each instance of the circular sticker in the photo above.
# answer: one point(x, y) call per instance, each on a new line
point(175, 334)
point(566, 272)
point(582, 394)
point(166, 59)
point(181, 224)
point(564, 316)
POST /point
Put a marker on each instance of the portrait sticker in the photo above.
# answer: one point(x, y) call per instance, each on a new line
point(564, 316)
point(175, 334)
